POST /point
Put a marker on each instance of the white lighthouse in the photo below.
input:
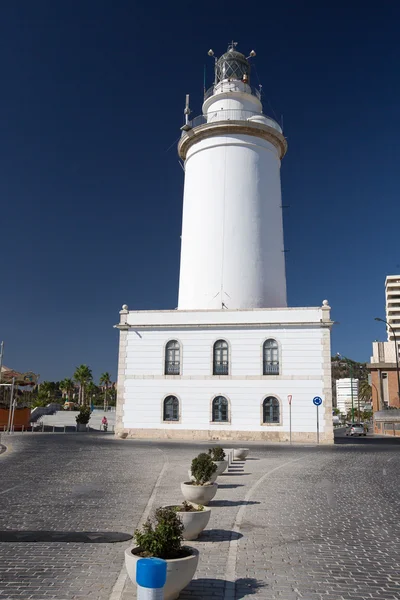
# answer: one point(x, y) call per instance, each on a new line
point(232, 234)
point(224, 365)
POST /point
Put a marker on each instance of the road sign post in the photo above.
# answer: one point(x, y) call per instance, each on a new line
point(317, 401)
point(290, 417)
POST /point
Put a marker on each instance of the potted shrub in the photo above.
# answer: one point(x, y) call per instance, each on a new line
point(83, 418)
point(218, 457)
point(240, 453)
point(201, 490)
point(163, 539)
point(194, 518)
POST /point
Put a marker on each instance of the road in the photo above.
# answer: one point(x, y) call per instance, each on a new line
point(300, 522)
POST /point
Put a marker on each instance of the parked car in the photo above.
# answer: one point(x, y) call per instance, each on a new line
point(355, 429)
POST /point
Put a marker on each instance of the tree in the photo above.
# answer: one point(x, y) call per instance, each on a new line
point(82, 376)
point(91, 391)
point(105, 380)
point(47, 389)
point(67, 387)
point(365, 391)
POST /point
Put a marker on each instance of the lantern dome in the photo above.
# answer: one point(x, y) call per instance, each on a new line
point(232, 65)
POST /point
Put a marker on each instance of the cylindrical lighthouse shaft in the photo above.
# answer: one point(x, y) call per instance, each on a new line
point(232, 235)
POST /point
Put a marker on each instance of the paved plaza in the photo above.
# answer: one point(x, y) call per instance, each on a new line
point(301, 522)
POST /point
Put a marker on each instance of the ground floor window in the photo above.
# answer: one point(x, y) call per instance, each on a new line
point(220, 410)
point(271, 410)
point(171, 408)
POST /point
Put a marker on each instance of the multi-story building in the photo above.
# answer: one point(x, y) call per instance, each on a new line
point(344, 398)
point(392, 294)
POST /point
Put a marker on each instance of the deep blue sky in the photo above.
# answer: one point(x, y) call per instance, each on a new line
point(92, 97)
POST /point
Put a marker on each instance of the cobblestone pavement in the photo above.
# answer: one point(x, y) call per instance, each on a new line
point(290, 523)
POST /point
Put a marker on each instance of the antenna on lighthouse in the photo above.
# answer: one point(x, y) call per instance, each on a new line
point(186, 112)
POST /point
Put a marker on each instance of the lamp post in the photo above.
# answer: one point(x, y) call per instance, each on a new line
point(396, 352)
point(350, 365)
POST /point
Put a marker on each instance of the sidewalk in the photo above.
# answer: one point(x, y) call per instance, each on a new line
point(219, 569)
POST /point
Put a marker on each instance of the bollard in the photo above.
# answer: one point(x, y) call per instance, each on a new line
point(151, 575)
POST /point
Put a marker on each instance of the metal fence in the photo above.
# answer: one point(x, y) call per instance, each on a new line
point(232, 86)
point(232, 115)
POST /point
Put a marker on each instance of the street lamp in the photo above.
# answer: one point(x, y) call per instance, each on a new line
point(396, 351)
point(350, 365)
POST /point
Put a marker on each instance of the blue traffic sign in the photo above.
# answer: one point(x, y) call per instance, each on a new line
point(317, 401)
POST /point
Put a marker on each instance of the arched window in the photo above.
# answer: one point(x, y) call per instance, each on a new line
point(271, 410)
point(172, 358)
point(221, 358)
point(220, 410)
point(270, 357)
point(171, 409)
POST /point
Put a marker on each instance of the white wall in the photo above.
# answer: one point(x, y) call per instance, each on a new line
point(301, 374)
point(232, 232)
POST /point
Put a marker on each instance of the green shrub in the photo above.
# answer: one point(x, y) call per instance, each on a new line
point(217, 453)
point(163, 539)
point(84, 415)
point(202, 468)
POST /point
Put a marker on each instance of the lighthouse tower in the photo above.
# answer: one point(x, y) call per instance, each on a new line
point(228, 362)
point(232, 253)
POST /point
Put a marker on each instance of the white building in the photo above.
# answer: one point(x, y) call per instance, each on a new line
point(392, 295)
point(344, 396)
point(222, 365)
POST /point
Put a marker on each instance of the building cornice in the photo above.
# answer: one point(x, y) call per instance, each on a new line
point(381, 365)
point(175, 326)
point(252, 128)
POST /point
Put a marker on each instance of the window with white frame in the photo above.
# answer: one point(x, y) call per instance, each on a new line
point(270, 357)
point(220, 410)
point(171, 409)
point(221, 358)
point(172, 358)
point(271, 410)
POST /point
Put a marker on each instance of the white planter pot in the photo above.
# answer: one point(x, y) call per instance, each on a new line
point(240, 453)
point(212, 478)
point(221, 466)
point(199, 494)
point(193, 522)
point(180, 571)
point(81, 427)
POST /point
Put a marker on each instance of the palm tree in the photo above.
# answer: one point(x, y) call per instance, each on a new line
point(365, 390)
point(105, 380)
point(47, 388)
point(91, 390)
point(67, 387)
point(82, 376)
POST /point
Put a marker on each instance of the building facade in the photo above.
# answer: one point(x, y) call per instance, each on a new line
point(384, 376)
point(223, 364)
point(345, 399)
point(392, 297)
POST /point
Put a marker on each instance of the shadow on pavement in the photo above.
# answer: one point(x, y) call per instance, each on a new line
point(80, 537)
point(230, 485)
point(219, 535)
point(200, 589)
point(233, 502)
point(369, 440)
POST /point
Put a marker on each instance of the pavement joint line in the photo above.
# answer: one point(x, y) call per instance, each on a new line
point(118, 589)
point(11, 488)
point(230, 573)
